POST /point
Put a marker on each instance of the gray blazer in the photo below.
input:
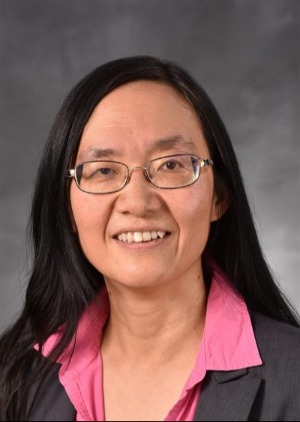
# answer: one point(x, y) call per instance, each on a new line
point(270, 392)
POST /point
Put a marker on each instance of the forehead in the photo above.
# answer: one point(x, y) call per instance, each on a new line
point(139, 115)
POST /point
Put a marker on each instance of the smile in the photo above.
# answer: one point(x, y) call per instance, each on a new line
point(140, 237)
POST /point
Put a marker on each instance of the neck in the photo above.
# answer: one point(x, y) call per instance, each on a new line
point(164, 319)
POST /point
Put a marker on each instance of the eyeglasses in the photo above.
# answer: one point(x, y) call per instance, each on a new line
point(169, 172)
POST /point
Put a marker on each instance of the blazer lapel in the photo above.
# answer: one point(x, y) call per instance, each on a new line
point(227, 396)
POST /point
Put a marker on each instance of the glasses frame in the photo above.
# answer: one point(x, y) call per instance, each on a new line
point(72, 173)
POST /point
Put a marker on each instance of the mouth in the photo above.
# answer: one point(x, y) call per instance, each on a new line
point(141, 237)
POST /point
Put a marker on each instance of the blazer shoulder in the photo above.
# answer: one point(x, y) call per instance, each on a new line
point(270, 333)
point(52, 402)
point(279, 347)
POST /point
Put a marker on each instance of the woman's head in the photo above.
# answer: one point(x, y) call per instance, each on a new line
point(64, 140)
point(138, 123)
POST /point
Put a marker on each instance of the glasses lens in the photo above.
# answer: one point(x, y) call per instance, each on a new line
point(174, 171)
point(101, 176)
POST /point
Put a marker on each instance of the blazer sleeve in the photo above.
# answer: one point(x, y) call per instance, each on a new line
point(52, 402)
point(279, 347)
point(270, 392)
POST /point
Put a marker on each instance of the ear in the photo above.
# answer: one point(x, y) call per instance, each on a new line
point(220, 205)
point(72, 219)
point(74, 227)
point(71, 215)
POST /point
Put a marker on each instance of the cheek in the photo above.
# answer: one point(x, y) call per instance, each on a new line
point(90, 216)
point(193, 214)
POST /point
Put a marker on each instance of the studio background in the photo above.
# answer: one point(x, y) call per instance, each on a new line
point(245, 53)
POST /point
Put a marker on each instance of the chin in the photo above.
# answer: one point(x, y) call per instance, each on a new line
point(136, 281)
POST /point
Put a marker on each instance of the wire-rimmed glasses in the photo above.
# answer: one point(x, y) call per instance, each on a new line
point(168, 172)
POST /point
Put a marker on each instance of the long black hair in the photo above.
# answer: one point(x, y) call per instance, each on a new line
point(63, 282)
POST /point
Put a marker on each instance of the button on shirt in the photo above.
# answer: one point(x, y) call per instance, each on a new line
point(227, 344)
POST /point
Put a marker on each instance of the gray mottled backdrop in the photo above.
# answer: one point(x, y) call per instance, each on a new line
point(244, 52)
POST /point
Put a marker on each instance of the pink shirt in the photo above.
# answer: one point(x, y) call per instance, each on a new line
point(228, 343)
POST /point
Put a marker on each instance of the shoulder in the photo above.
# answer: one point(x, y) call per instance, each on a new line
point(51, 402)
point(279, 346)
point(276, 338)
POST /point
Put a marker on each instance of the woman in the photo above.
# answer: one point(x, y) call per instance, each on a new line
point(149, 297)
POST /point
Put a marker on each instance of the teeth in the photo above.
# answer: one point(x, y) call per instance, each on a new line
point(138, 237)
point(146, 236)
point(154, 235)
point(129, 238)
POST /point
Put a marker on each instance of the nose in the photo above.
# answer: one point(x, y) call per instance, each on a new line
point(138, 197)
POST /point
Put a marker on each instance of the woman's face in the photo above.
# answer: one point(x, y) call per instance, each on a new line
point(136, 123)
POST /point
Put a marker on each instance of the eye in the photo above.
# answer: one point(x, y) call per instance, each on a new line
point(170, 165)
point(105, 171)
point(100, 171)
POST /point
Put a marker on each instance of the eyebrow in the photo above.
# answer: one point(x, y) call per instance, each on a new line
point(96, 153)
point(176, 141)
point(164, 144)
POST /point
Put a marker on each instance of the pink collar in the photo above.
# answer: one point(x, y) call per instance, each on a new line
point(228, 343)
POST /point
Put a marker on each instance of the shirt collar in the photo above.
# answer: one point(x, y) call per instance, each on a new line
point(86, 344)
point(228, 341)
